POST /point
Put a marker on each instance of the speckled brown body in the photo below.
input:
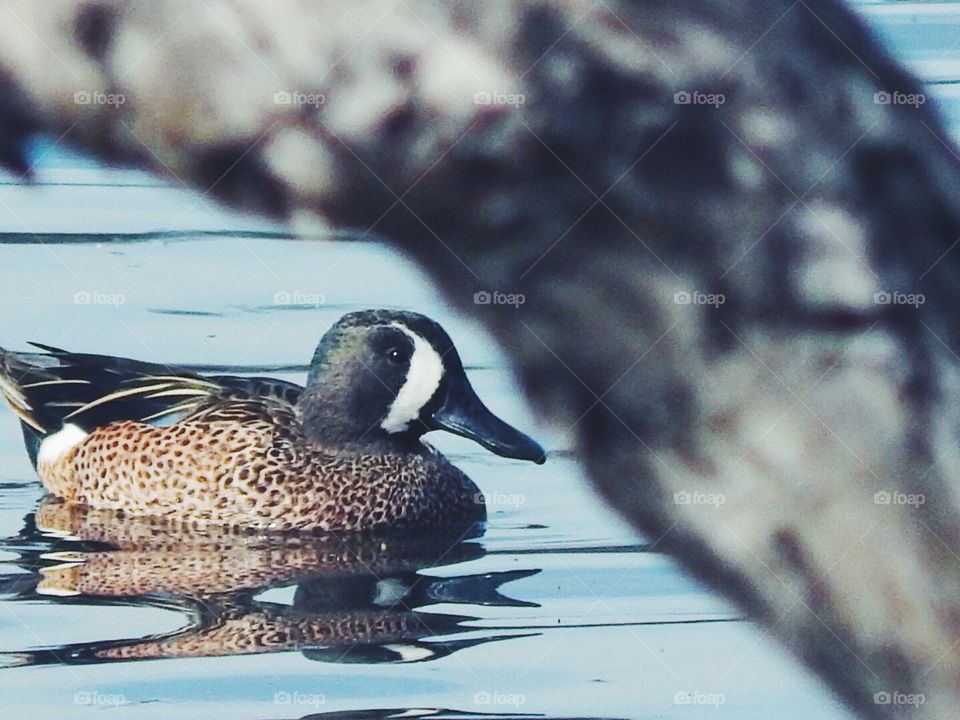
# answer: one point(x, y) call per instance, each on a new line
point(260, 473)
point(238, 631)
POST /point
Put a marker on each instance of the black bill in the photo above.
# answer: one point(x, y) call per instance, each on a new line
point(462, 413)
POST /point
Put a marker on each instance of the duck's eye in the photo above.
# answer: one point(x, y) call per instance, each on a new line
point(396, 355)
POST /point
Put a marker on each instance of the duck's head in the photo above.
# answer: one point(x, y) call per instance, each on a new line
point(383, 377)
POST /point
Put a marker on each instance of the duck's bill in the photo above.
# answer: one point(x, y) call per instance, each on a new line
point(463, 413)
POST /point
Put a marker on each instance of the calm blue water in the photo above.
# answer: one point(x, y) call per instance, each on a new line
point(557, 609)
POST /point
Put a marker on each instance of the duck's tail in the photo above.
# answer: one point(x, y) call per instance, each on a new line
point(13, 372)
point(55, 388)
point(30, 390)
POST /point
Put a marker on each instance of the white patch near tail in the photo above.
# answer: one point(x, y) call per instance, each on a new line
point(423, 379)
point(55, 447)
point(389, 592)
point(411, 653)
point(54, 590)
point(54, 531)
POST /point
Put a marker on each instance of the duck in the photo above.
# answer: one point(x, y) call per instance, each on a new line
point(344, 452)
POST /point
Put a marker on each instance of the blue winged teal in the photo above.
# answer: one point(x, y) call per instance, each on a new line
point(343, 453)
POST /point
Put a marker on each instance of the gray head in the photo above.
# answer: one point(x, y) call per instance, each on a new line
point(383, 378)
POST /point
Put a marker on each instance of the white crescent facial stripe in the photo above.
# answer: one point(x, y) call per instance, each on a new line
point(423, 379)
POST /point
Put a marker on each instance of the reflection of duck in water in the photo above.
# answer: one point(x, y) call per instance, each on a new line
point(343, 453)
point(439, 713)
point(356, 600)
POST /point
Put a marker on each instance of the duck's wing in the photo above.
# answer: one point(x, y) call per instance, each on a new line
point(262, 388)
point(51, 389)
